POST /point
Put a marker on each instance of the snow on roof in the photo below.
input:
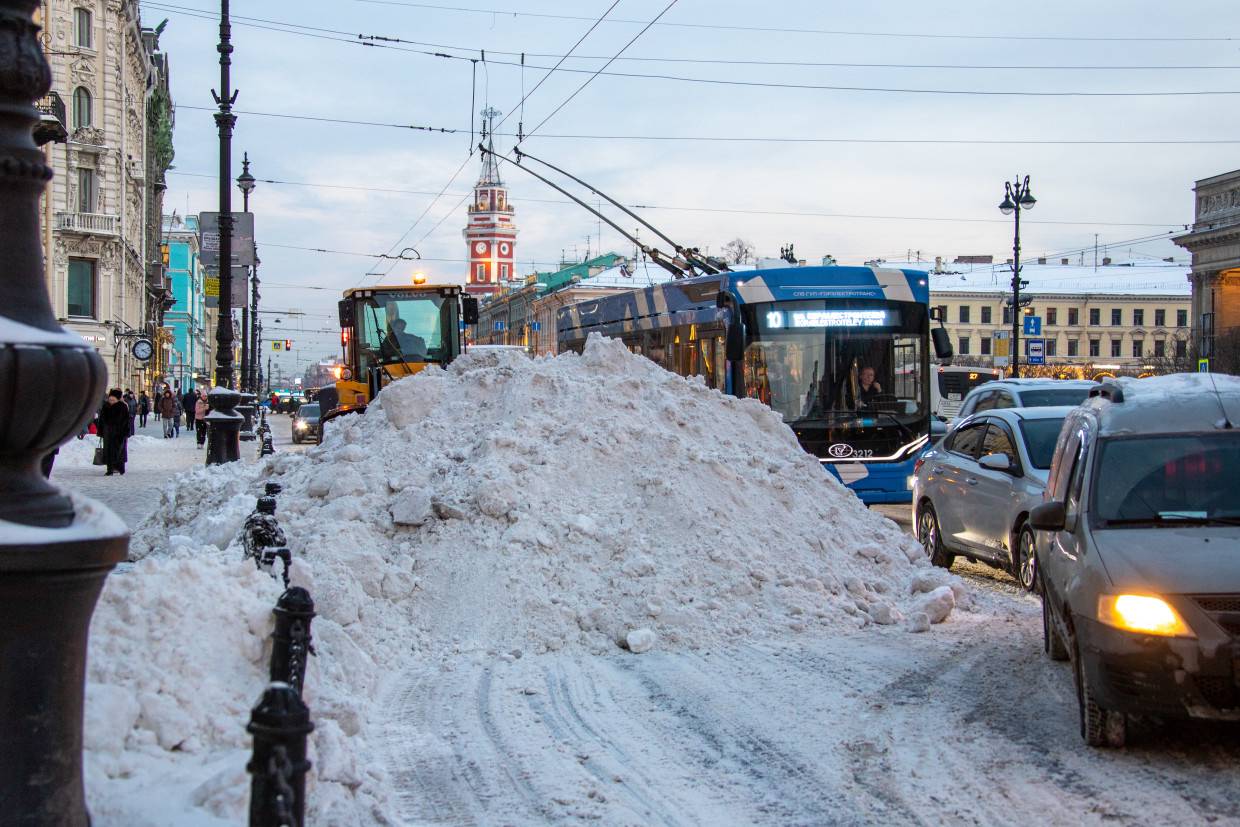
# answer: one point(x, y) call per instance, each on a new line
point(1198, 400)
point(631, 275)
point(1145, 278)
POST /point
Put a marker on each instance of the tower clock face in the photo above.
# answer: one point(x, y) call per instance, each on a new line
point(503, 249)
point(480, 247)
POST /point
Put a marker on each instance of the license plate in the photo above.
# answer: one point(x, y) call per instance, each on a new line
point(953, 397)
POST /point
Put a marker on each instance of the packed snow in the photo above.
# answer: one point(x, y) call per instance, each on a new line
point(591, 504)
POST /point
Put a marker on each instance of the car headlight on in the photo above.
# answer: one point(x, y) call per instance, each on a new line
point(301, 426)
point(1142, 613)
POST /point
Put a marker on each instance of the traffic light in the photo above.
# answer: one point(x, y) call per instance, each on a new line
point(164, 254)
point(288, 344)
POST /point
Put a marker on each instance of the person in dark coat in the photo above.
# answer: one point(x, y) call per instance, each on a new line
point(131, 402)
point(144, 408)
point(188, 401)
point(114, 429)
point(167, 407)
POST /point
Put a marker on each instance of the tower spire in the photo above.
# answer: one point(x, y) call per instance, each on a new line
point(490, 167)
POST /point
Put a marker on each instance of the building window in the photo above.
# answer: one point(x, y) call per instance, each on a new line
point(87, 193)
point(82, 28)
point(1160, 348)
point(81, 107)
point(1074, 316)
point(1181, 348)
point(1095, 347)
point(1074, 347)
point(503, 272)
point(1051, 349)
point(1138, 317)
point(1138, 348)
point(480, 274)
point(964, 314)
point(1095, 317)
point(964, 345)
point(985, 340)
point(1052, 316)
point(1181, 318)
point(986, 315)
point(1117, 317)
point(1007, 315)
point(81, 298)
point(1115, 347)
point(1160, 318)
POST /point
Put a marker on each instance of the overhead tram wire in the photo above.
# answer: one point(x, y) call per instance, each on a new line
point(801, 30)
point(738, 211)
point(380, 41)
point(451, 180)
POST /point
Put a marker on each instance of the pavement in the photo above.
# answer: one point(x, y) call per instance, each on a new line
point(153, 463)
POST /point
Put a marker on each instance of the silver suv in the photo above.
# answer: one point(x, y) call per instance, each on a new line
point(1138, 549)
point(1025, 393)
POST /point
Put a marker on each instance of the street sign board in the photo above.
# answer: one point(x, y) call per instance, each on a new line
point(1037, 351)
point(277, 345)
point(242, 239)
point(1203, 365)
point(1033, 326)
point(1000, 348)
point(240, 287)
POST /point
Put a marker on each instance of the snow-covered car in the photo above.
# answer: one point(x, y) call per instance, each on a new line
point(972, 493)
point(1025, 393)
point(1138, 548)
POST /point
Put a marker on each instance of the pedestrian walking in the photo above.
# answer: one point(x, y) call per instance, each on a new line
point(167, 410)
point(131, 402)
point(114, 432)
point(176, 416)
point(188, 402)
point(201, 409)
point(144, 408)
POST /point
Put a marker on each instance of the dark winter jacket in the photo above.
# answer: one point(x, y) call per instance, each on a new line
point(167, 406)
point(114, 422)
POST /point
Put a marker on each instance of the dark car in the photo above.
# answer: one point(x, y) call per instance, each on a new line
point(1138, 549)
point(306, 423)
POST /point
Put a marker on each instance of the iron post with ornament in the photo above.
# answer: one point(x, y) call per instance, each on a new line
point(1016, 199)
point(55, 549)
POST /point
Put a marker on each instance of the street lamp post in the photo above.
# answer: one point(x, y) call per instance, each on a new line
point(224, 423)
point(246, 183)
point(53, 558)
point(1017, 197)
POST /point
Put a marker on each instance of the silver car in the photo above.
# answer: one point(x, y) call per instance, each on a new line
point(1025, 393)
point(972, 493)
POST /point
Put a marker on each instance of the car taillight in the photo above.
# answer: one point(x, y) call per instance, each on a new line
point(917, 465)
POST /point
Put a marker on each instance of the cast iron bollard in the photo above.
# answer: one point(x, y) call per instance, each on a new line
point(272, 488)
point(261, 529)
point(279, 723)
point(246, 409)
point(268, 446)
point(292, 643)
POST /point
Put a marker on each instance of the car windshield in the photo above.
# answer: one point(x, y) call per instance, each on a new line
point(1052, 397)
point(1168, 479)
point(308, 411)
point(1040, 437)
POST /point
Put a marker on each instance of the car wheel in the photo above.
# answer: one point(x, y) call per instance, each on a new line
point(1024, 561)
point(1051, 644)
point(1099, 727)
point(930, 538)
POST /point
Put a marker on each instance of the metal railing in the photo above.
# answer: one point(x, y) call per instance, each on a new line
point(88, 222)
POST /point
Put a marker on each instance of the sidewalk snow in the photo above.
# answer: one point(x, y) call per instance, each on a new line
point(501, 507)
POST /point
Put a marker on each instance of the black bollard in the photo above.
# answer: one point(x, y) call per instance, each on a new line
point(273, 488)
point(268, 447)
point(279, 723)
point(262, 530)
point(291, 641)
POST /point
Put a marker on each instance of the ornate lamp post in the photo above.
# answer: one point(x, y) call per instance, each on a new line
point(245, 183)
point(53, 560)
point(224, 423)
point(1017, 197)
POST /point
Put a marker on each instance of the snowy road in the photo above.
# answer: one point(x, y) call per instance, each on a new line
point(968, 724)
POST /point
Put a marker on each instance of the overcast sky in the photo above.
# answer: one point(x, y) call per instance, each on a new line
point(888, 191)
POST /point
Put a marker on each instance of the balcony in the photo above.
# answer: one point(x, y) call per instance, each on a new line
point(88, 222)
point(51, 125)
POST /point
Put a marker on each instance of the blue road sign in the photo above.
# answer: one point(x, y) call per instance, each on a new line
point(1033, 325)
point(535, 326)
point(499, 325)
point(1203, 365)
point(1036, 351)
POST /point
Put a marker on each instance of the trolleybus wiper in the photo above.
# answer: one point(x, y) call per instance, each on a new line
point(690, 254)
point(677, 267)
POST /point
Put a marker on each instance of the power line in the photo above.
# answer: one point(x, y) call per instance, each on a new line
point(391, 43)
point(210, 15)
point(738, 211)
point(800, 30)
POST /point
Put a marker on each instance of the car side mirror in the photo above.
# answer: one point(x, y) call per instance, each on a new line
point(1051, 516)
point(996, 462)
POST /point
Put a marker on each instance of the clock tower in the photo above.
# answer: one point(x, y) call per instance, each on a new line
point(491, 235)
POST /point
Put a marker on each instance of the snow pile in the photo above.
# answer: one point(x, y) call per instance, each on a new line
point(500, 508)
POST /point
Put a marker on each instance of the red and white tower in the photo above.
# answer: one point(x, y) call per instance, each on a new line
point(490, 234)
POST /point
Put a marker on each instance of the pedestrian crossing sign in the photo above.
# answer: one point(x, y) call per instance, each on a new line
point(278, 345)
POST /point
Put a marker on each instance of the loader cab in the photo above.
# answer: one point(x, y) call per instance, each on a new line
point(387, 333)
